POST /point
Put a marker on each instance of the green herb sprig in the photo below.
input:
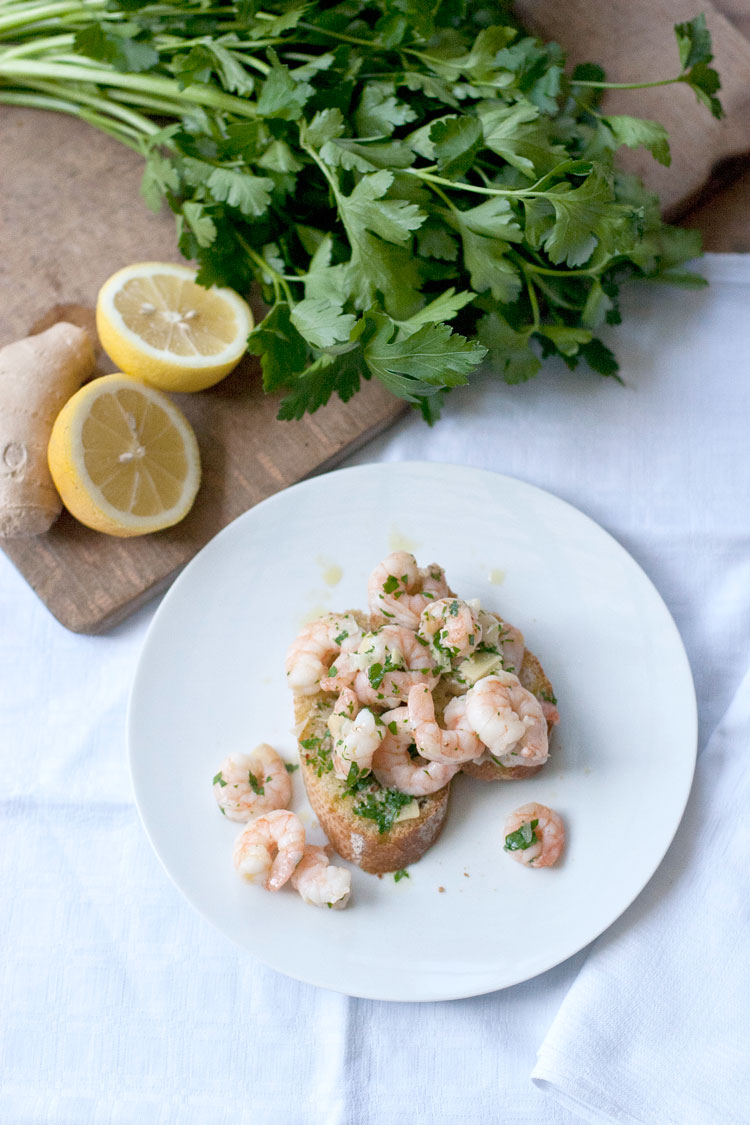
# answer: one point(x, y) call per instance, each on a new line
point(417, 188)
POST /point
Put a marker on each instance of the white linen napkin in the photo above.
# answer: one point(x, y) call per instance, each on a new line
point(655, 1028)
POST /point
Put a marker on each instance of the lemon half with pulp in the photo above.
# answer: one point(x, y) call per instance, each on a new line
point(157, 323)
point(124, 458)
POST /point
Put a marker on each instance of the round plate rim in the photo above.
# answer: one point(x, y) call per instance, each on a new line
point(391, 466)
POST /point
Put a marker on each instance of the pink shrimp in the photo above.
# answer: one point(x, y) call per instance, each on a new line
point(399, 589)
point(319, 882)
point(249, 784)
point(534, 835)
point(312, 653)
point(394, 766)
point(269, 848)
point(504, 638)
point(452, 630)
point(356, 734)
point(459, 744)
point(509, 720)
point(387, 663)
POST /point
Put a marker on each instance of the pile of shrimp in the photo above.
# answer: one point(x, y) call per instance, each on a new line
point(385, 677)
point(256, 789)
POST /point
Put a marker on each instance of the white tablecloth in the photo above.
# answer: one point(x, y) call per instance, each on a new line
point(119, 1004)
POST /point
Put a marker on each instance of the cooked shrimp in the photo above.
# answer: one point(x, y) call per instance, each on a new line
point(356, 734)
point(387, 663)
point(504, 638)
point(400, 590)
point(394, 766)
point(534, 835)
point(508, 719)
point(312, 653)
point(550, 712)
point(269, 848)
point(451, 628)
point(460, 744)
point(249, 784)
point(319, 882)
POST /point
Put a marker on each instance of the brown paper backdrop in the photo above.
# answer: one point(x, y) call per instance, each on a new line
point(634, 41)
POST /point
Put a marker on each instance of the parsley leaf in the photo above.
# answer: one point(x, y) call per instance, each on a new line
point(635, 132)
point(522, 838)
point(255, 785)
point(433, 356)
point(322, 322)
point(382, 806)
point(121, 50)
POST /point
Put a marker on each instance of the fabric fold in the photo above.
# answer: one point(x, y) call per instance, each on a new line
point(654, 1030)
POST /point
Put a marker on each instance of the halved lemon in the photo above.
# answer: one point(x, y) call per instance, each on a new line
point(124, 458)
point(157, 323)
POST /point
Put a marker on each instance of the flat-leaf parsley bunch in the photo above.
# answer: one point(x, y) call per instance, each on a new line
point(415, 186)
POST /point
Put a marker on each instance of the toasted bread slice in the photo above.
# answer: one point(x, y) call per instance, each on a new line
point(534, 679)
point(356, 837)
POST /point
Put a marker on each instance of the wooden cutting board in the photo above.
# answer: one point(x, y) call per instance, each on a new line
point(70, 215)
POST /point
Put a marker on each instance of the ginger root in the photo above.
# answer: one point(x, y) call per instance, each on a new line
point(37, 377)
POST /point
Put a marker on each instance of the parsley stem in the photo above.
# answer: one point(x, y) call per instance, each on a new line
point(34, 13)
point(372, 43)
point(532, 296)
point(525, 264)
point(626, 85)
point(137, 122)
point(201, 95)
point(35, 46)
point(121, 132)
point(443, 196)
point(277, 280)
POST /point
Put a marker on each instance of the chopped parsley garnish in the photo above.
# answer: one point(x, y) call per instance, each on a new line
point(402, 873)
point(219, 780)
point(393, 726)
point(548, 697)
point(375, 674)
point(291, 767)
point(341, 638)
point(391, 584)
point(255, 785)
point(522, 838)
point(357, 779)
point(319, 753)
point(333, 671)
point(223, 811)
point(453, 609)
point(383, 806)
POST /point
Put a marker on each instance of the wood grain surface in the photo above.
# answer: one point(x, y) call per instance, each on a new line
point(70, 215)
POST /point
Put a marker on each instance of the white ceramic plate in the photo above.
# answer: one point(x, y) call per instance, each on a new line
point(468, 920)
